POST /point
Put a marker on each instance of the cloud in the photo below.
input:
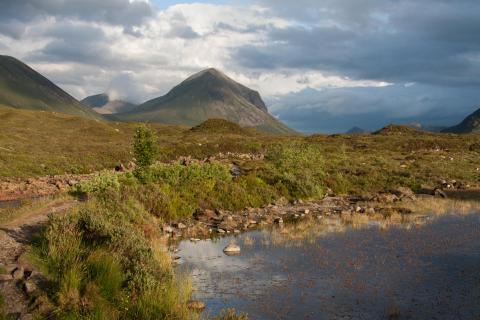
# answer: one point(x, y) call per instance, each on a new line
point(319, 64)
point(116, 12)
point(333, 110)
point(435, 42)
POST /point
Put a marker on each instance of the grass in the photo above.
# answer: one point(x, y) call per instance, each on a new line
point(41, 143)
point(104, 258)
point(103, 264)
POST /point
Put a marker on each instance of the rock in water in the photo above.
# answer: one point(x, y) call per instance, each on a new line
point(232, 248)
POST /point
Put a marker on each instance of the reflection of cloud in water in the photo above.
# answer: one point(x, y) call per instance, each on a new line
point(334, 268)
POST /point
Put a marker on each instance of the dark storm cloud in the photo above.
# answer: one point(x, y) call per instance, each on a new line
point(429, 41)
point(339, 109)
point(75, 43)
point(116, 12)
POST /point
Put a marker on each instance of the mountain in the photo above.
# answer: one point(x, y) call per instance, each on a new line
point(356, 130)
point(471, 124)
point(23, 88)
point(102, 104)
point(206, 95)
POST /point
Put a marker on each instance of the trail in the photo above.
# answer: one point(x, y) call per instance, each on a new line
point(15, 238)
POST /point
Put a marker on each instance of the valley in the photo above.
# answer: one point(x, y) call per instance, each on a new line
point(201, 201)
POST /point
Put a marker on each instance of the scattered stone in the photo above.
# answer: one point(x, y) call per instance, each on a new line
point(5, 277)
point(278, 220)
point(440, 193)
point(196, 305)
point(307, 211)
point(29, 287)
point(221, 231)
point(26, 316)
point(181, 226)
point(167, 229)
point(18, 273)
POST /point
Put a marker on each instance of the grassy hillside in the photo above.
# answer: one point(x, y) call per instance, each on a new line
point(40, 143)
point(24, 88)
point(102, 104)
point(470, 124)
point(208, 94)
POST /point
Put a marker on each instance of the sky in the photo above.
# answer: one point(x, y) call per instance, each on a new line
point(320, 65)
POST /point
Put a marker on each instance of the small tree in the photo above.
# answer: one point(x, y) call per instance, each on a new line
point(145, 146)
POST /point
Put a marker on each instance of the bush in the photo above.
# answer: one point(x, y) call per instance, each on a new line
point(145, 146)
point(296, 169)
point(99, 186)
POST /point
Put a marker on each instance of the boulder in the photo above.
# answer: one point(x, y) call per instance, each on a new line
point(232, 248)
point(440, 193)
point(18, 273)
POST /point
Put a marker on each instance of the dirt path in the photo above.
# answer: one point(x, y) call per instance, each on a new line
point(15, 237)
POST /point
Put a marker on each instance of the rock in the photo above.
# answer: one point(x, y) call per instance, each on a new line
point(278, 220)
point(196, 305)
point(307, 211)
point(181, 226)
point(18, 273)
point(5, 277)
point(440, 193)
point(167, 229)
point(370, 211)
point(29, 287)
point(232, 248)
point(235, 171)
point(387, 198)
point(403, 192)
point(221, 231)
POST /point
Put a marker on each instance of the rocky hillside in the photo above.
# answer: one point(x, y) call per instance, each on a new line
point(23, 88)
point(206, 95)
point(103, 104)
point(471, 124)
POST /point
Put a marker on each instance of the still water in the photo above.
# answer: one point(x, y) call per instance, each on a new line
point(424, 268)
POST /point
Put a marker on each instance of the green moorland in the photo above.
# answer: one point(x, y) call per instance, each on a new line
point(105, 258)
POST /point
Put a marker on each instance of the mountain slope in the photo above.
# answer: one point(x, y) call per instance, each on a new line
point(23, 88)
point(102, 104)
point(356, 130)
point(206, 95)
point(471, 124)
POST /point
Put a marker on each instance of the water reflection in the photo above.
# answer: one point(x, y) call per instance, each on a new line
point(415, 266)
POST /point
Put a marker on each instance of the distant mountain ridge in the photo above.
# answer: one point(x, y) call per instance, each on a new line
point(24, 88)
point(208, 94)
point(471, 124)
point(102, 104)
point(356, 130)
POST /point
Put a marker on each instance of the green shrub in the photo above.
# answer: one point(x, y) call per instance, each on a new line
point(297, 169)
point(99, 185)
point(145, 146)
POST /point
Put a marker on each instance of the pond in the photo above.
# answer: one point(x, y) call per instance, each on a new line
point(424, 267)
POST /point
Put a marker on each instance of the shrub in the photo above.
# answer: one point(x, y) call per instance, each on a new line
point(145, 146)
point(99, 185)
point(297, 169)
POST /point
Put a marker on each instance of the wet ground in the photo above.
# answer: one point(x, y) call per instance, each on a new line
point(427, 268)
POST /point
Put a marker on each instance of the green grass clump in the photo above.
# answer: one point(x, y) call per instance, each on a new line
point(103, 264)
